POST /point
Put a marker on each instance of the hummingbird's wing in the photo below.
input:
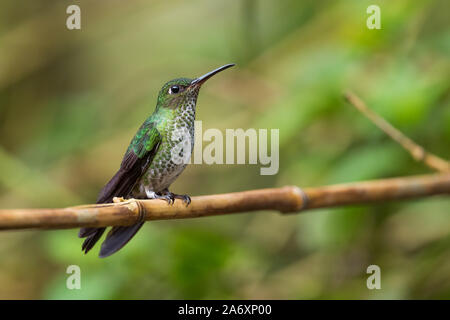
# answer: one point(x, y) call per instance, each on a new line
point(138, 157)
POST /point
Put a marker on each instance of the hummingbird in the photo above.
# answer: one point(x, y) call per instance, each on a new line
point(148, 167)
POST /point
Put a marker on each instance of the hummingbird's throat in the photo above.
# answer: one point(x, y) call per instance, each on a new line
point(188, 98)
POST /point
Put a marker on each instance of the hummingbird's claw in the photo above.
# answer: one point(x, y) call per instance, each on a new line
point(184, 197)
point(167, 196)
point(170, 198)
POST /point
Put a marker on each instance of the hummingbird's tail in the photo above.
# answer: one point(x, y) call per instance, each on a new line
point(117, 237)
point(92, 235)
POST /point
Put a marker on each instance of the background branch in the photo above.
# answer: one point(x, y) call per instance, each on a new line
point(286, 200)
point(416, 151)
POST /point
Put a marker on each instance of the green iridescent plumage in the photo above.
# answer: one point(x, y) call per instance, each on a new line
point(145, 139)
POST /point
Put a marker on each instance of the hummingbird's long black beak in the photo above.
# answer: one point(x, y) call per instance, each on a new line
point(200, 80)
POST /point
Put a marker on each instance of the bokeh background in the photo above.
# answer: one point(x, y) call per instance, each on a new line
point(70, 102)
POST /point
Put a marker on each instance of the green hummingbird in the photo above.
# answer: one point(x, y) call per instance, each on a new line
point(150, 164)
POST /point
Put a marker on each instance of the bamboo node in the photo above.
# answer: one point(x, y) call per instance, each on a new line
point(142, 212)
point(301, 200)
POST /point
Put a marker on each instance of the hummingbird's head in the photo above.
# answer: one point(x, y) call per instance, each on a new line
point(178, 92)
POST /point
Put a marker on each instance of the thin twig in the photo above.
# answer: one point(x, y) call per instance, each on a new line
point(286, 200)
point(416, 151)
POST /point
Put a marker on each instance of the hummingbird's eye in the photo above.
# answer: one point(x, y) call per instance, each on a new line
point(174, 89)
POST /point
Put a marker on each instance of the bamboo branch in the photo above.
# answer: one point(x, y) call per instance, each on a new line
point(285, 200)
point(416, 151)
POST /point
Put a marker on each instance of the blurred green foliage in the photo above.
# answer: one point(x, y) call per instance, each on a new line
point(70, 101)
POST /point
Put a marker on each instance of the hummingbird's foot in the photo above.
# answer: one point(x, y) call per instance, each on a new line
point(184, 197)
point(167, 196)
